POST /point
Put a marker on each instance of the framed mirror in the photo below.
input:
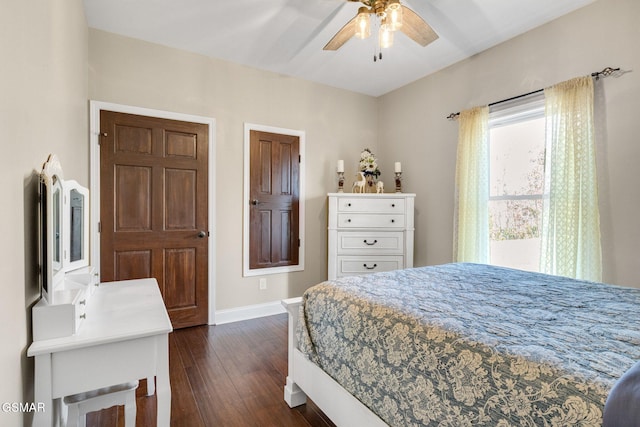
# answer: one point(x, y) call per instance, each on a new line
point(51, 227)
point(76, 226)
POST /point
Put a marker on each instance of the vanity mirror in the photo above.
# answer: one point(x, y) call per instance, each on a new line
point(51, 227)
point(67, 279)
point(75, 218)
point(64, 235)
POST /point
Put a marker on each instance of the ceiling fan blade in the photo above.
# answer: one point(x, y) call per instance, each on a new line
point(416, 28)
point(342, 36)
point(326, 21)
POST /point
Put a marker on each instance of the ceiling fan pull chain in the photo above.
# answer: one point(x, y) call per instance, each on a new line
point(375, 52)
point(376, 45)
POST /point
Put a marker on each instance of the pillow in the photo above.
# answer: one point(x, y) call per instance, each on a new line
point(622, 408)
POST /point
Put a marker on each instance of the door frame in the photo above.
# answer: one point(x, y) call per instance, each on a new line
point(94, 180)
point(247, 271)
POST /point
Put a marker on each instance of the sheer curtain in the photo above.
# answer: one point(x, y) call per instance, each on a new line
point(471, 222)
point(570, 241)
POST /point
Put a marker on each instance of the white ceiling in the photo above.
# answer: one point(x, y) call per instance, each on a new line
point(287, 36)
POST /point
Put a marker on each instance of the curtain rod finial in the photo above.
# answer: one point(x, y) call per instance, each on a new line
point(608, 71)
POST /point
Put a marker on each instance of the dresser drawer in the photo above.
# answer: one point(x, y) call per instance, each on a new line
point(61, 319)
point(382, 205)
point(363, 220)
point(356, 265)
point(370, 243)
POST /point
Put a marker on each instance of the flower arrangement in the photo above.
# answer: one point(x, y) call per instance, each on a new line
point(368, 164)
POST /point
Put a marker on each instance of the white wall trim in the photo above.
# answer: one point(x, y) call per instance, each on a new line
point(249, 312)
point(94, 176)
point(247, 272)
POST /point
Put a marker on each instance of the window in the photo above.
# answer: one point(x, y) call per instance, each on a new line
point(516, 181)
point(507, 145)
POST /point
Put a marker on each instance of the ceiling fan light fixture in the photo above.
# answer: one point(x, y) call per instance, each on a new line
point(394, 14)
point(363, 23)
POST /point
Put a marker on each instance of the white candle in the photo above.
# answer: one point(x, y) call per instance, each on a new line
point(398, 167)
point(340, 166)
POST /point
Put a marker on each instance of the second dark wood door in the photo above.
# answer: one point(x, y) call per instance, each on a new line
point(274, 200)
point(153, 209)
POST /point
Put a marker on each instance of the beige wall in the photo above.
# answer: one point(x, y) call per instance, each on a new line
point(413, 128)
point(338, 124)
point(43, 109)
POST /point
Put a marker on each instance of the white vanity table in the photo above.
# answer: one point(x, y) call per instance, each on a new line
point(89, 335)
point(123, 338)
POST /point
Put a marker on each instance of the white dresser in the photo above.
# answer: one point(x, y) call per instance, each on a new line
point(369, 233)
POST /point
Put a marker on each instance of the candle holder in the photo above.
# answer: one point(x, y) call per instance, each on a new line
point(398, 182)
point(340, 182)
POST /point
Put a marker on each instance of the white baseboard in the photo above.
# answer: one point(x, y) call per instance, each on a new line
point(248, 312)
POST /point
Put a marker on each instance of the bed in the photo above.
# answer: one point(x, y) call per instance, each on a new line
point(462, 345)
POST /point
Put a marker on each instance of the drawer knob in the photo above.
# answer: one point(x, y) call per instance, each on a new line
point(369, 268)
point(349, 220)
point(83, 302)
point(370, 244)
point(349, 204)
point(83, 316)
point(393, 220)
point(393, 205)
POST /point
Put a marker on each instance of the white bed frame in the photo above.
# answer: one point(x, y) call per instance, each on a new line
point(306, 379)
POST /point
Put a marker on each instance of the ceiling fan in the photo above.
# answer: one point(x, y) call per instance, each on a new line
point(391, 16)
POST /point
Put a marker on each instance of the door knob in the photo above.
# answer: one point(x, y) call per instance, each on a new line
point(202, 234)
point(254, 202)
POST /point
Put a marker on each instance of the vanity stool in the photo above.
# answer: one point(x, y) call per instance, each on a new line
point(82, 403)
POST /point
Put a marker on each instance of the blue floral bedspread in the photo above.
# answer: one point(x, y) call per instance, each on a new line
point(473, 345)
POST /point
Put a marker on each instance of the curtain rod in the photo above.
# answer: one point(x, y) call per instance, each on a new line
point(604, 73)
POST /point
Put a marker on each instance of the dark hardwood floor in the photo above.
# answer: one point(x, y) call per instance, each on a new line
point(225, 375)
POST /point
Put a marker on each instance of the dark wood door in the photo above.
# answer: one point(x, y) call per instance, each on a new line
point(153, 209)
point(274, 200)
